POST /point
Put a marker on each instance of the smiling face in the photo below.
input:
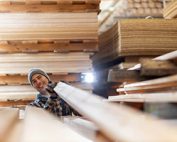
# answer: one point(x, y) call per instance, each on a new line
point(39, 82)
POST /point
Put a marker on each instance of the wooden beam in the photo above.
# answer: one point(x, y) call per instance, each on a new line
point(169, 56)
point(149, 85)
point(124, 123)
point(151, 67)
point(165, 97)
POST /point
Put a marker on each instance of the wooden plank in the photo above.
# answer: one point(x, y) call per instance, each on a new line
point(117, 75)
point(47, 128)
point(120, 126)
point(48, 26)
point(151, 85)
point(151, 67)
point(165, 97)
point(170, 10)
point(7, 121)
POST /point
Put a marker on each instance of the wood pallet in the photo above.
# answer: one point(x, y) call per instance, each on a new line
point(49, 6)
point(50, 62)
point(170, 10)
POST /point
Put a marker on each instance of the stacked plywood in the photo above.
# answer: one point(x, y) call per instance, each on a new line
point(147, 36)
point(108, 43)
point(170, 10)
point(57, 36)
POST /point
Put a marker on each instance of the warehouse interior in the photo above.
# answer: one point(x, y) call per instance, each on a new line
point(113, 61)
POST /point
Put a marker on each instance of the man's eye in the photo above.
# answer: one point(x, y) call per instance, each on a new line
point(34, 81)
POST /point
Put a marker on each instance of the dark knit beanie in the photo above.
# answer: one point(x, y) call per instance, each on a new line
point(34, 71)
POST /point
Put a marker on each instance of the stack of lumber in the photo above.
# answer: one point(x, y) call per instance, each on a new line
point(48, 32)
point(49, 5)
point(148, 69)
point(57, 36)
point(147, 36)
point(108, 43)
point(137, 38)
point(170, 10)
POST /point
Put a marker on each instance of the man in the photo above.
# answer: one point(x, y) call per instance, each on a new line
point(47, 98)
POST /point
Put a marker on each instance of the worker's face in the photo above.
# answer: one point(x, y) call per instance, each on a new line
point(39, 82)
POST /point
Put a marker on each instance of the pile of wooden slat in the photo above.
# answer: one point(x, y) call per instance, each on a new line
point(48, 32)
point(147, 36)
point(137, 38)
point(49, 5)
point(170, 10)
point(148, 69)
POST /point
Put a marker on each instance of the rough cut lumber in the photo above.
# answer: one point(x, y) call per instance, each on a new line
point(47, 128)
point(50, 62)
point(147, 36)
point(8, 118)
point(151, 67)
point(151, 85)
point(117, 75)
point(124, 123)
point(169, 56)
point(165, 97)
point(170, 10)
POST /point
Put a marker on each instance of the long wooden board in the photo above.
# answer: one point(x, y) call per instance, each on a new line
point(124, 123)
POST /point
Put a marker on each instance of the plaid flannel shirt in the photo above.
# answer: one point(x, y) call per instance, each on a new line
point(53, 104)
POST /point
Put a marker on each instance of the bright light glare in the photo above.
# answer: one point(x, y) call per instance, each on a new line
point(88, 77)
